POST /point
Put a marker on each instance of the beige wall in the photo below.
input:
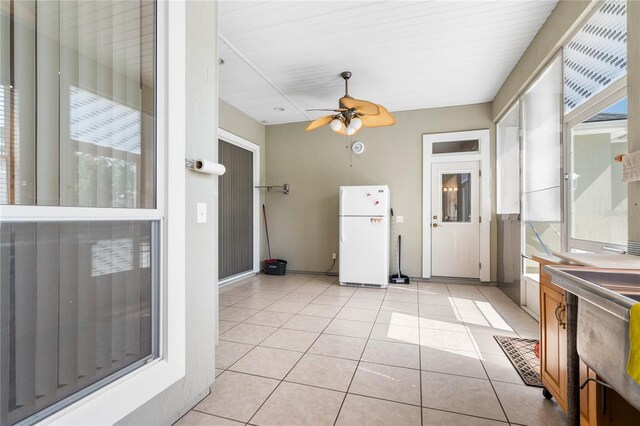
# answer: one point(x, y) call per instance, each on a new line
point(633, 93)
point(558, 26)
point(304, 224)
point(240, 124)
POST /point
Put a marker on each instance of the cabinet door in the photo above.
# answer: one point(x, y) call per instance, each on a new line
point(553, 342)
point(588, 404)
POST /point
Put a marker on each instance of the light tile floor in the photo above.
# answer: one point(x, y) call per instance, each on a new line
point(302, 350)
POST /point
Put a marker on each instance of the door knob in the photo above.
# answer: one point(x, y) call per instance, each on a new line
point(435, 225)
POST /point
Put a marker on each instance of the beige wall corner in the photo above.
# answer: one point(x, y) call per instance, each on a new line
point(303, 225)
point(633, 93)
point(558, 26)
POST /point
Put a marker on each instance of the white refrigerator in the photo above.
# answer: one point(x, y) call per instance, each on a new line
point(364, 235)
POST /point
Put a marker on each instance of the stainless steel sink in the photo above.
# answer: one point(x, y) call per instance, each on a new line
point(623, 283)
point(605, 298)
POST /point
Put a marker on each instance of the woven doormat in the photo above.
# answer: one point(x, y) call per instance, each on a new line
point(520, 353)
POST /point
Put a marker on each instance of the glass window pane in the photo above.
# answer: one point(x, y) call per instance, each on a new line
point(597, 54)
point(456, 197)
point(77, 103)
point(508, 163)
point(76, 307)
point(450, 147)
point(542, 147)
point(541, 238)
point(598, 196)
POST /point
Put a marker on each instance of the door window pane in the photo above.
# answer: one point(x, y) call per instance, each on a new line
point(77, 103)
point(450, 147)
point(76, 307)
point(456, 197)
point(598, 196)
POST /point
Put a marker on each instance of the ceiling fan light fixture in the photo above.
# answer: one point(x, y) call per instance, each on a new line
point(336, 125)
point(352, 114)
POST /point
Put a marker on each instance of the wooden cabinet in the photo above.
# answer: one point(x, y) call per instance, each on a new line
point(553, 336)
point(588, 397)
point(553, 344)
point(598, 405)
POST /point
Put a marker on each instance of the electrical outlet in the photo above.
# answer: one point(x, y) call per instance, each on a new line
point(333, 256)
point(399, 219)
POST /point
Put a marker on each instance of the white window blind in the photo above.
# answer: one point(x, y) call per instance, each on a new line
point(541, 156)
point(508, 163)
point(597, 55)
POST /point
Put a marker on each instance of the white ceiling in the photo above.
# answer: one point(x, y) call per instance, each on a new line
point(403, 55)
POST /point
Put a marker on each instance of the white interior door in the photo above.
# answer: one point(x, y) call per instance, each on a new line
point(455, 219)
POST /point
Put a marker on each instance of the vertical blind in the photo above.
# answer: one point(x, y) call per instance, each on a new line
point(77, 129)
point(83, 117)
point(76, 307)
point(542, 147)
point(235, 210)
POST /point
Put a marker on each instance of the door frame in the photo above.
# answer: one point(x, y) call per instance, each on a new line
point(254, 148)
point(483, 157)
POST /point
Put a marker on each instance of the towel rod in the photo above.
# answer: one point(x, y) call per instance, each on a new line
point(275, 188)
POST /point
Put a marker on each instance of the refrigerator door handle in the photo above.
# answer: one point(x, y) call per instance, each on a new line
point(342, 200)
point(341, 230)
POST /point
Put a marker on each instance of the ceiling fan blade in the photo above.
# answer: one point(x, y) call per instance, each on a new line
point(364, 107)
point(383, 119)
point(328, 109)
point(319, 122)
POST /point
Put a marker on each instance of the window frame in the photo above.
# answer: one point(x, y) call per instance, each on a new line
point(119, 398)
point(607, 97)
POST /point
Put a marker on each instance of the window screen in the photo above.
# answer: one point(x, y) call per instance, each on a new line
point(597, 54)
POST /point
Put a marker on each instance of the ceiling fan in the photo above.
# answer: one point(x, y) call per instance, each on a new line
point(353, 114)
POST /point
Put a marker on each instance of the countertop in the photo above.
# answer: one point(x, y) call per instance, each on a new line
point(601, 260)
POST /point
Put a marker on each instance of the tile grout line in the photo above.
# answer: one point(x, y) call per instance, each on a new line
point(364, 396)
point(359, 358)
point(477, 349)
point(296, 363)
point(331, 319)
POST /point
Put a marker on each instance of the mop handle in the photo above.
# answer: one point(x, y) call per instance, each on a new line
point(266, 228)
point(399, 254)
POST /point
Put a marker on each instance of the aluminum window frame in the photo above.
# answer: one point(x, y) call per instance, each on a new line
point(607, 97)
point(113, 401)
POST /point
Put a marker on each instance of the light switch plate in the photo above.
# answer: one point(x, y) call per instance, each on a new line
point(201, 212)
point(399, 219)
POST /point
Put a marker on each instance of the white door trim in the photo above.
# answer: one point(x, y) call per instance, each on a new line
point(255, 149)
point(483, 136)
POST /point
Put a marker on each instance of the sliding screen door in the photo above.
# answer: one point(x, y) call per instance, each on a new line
point(80, 225)
point(235, 211)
